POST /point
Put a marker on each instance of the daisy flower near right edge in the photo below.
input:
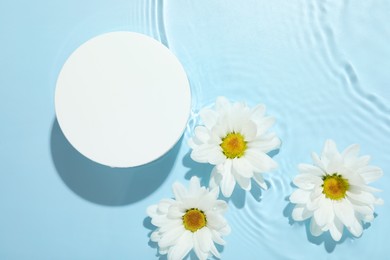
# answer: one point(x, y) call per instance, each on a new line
point(334, 192)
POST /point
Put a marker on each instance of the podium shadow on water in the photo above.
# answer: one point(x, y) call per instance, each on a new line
point(105, 185)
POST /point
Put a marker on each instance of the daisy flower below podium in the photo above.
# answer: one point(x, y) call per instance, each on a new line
point(334, 192)
point(234, 138)
point(193, 220)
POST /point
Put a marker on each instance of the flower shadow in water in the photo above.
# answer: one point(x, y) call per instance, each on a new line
point(325, 237)
point(105, 185)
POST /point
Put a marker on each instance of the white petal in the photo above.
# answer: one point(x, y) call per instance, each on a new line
point(214, 251)
point(201, 255)
point(202, 133)
point(318, 162)
point(258, 177)
point(300, 213)
point(215, 178)
point(171, 225)
point(249, 130)
point(179, 191)
point(182, 248)
point(315, 201)
point(243, 167)
point(324, 214)
point(315, 230)
point(170, 237)
point(209, 117)
point(205, 241)
point(205, 152)
point(330, 150)
point(351, 152)
point(216, 236)
point(216, 156)
point(215, 221)
point(228, 182)
point(370, 173)
point(159, 220)
point(164, 205)
point(155, 236)
point(264, 124)
point(299, 196)
point(222, 104)
point(175, 212)
point(310, 169)
point(265, 143)
point(344, 212)
point(151, 211)
point(194, 185)
point(307, 181)
point(360, 196)
point(260, 161)
point(220, 206)
point(258, 112)
point(336, 229)
point(245, 183)
point(355, 228)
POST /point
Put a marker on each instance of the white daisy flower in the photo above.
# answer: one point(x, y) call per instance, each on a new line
point(193, 220)
point(234, 138)
point(334, 191)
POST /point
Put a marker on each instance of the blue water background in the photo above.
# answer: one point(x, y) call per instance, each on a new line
point(320, 67)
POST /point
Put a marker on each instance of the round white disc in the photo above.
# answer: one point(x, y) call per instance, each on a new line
point(122, 99)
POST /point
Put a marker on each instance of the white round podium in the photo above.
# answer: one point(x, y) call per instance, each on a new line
point(122, 99)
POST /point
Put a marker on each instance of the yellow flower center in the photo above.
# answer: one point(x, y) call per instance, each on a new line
point(194, 219)
point(335, 186)
point(233, 145)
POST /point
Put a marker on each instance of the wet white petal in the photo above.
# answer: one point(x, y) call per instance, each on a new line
point(214, 251)
point(245, 183)
point(310, 169)
point(209, 117)
point(152, 211)
point(300, 196)
point(179, 191)
point(205, 241)
point(344, 212)
point(194, 185)
point(315, 230)
point(170, 237)
point(249, 130)
point(265, 143)
point(355, 228)
point(222, 104)
point(164, 205)
point(336, 229)
point(202, 133)
point(260, 161)
point(300, 213)
point(330, 150)
point(215, 178)
point(370, 173)
point(307, 181)
point(258, 112)
point(264, 124)
point(182, 248)
point(228, 182)
point(324, 214)
point(258, 177)
point(243, 167)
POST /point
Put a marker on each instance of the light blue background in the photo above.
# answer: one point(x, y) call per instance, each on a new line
point(321, 68)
